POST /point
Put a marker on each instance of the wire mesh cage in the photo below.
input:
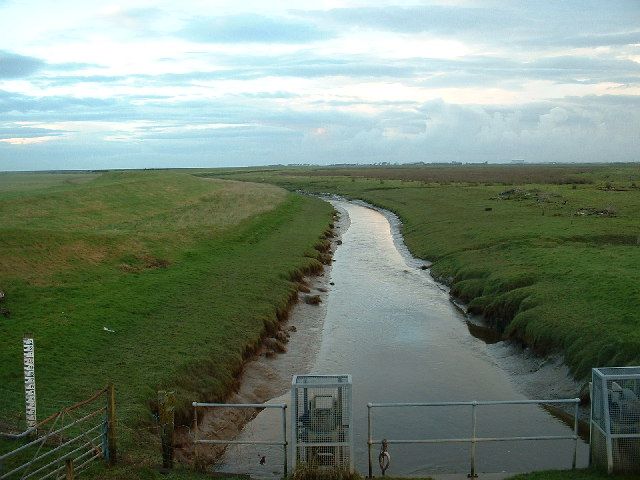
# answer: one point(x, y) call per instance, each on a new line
point(321, 421)
point(615, 419)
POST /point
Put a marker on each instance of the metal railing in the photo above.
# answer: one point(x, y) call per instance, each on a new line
point(259, 406)
point(474, 439)
point(69, 444)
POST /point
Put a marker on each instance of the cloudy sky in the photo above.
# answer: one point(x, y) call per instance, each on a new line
point(216, 83)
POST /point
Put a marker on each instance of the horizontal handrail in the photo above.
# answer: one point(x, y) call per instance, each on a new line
point(258, 406)
point(240, 405)
point(625, 435)
point(475, 402)
point(478, 439)
point(240, 442)
point(474, 439)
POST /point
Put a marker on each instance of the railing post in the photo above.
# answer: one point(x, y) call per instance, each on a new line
point(591, 407)
point(111, 423)
point(166, 409)
point(575, 432)
point(68, 470)
point(196, 437)
point(369, 439)
point(285, 445)
point(607, 423)
point(473, 473)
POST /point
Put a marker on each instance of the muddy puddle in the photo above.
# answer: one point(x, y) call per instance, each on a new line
point(388, 324)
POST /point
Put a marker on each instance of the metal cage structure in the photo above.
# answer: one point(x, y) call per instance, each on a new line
point(322, 421)
point(615, 419)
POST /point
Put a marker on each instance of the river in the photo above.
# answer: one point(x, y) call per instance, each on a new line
point(393, 328)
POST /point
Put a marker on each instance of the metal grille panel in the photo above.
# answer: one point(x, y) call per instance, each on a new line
point(615, 419)
point(322, 432)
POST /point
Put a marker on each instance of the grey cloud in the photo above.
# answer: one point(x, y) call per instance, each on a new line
point(560, 69)
point(417, 19)
point(13, 65)
point(466, 72)
point(72, 79)
point(239, 131)
point(570, 129)
point(581, 63)
point(249, 28)
point(28, 132)
point(520, 24)
point(70, 66)
point(15, 102)
point(622, 38)
point(548, 131)
point(606, 100)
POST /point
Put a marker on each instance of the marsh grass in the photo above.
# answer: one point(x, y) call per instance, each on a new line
point(521, 253)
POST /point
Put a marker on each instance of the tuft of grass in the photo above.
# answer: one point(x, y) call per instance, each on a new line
point(312, 472)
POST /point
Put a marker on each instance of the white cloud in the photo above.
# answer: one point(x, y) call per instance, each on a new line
point(325, 81)
point(26, 140)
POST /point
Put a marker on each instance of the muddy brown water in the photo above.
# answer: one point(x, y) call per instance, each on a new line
point(393, 328)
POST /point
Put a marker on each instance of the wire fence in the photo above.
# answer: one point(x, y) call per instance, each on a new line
point(66, 443)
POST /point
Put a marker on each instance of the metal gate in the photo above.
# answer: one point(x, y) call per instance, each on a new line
point(65, 443)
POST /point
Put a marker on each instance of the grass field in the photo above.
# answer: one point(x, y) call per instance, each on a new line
point(553, 263)
point(188, 273)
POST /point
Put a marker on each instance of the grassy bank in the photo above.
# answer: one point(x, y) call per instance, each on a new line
point(187, 274)
point(549, 254)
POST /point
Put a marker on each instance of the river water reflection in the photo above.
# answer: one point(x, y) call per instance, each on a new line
point(393, 328)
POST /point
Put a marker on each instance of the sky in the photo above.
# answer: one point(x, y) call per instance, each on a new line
point(207, 83)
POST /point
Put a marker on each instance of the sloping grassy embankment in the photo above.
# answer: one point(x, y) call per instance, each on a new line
point(552, 263)
point(188, 273)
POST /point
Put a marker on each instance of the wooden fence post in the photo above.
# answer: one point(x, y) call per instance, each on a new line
point(111, 423)
point(166, 409)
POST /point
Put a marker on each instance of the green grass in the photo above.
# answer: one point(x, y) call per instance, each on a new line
point(128, 472)
point(571, 475)
point(189, 273)
point(539, 262)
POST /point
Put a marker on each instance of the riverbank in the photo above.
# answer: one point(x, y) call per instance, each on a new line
point(535, 377)
point(149, 280)
point(267, 374)
point(549, 264)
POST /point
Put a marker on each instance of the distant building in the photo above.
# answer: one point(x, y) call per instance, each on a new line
point(518, 161)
